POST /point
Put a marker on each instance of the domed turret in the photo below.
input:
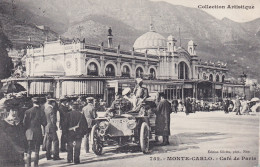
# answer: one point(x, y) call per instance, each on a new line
point(150, 41)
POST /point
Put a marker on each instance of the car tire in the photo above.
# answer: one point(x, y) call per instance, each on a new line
point(144, 138)
point(95, 140)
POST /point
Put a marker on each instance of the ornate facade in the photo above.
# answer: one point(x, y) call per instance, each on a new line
point(78, 68)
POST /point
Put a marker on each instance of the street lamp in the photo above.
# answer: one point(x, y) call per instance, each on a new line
point(243, 80)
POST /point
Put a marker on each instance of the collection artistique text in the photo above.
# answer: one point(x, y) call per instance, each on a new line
point(226, 7)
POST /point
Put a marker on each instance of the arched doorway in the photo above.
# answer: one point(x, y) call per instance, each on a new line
point(183, 70)
point(217, 78)
point(204, 91)
point(92, 69)
point(126, 71)
point(139, 72)
point(110, 70)
point(211, 77)
point(152, 73)
point(223, 78)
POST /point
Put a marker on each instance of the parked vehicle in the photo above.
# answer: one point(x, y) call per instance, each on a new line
point(125, 128)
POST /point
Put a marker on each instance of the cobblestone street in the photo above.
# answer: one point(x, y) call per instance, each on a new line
point(203, 139)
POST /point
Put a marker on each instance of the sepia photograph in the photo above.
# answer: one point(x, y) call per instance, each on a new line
point(143, 83)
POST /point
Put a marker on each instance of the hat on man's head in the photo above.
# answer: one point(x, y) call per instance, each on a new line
point(90, 98)
point(12, 104)
point(139, 80)
point(62, 99)
point(126, 91)
point(50, 100)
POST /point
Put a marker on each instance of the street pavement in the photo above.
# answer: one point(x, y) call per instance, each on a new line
point(203, 139)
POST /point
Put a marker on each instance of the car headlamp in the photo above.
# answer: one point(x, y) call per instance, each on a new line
point(103, 125)
point(131, 124)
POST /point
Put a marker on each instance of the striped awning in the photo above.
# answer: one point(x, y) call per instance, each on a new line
point(88, 87)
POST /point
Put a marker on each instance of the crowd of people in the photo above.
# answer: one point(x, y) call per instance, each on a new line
point(31, 122)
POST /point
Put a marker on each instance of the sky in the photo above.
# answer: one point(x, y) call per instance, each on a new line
point(238, 15)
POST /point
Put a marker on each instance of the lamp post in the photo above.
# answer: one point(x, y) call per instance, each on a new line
point(243, 80)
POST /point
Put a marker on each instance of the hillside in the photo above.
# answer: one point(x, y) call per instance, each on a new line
point(223, 40)
point(18, 30)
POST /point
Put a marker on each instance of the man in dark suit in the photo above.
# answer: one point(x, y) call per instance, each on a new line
point(76, 129)
point(50, 130)
point(162, 122)
point(33, 119)
point(63, 109)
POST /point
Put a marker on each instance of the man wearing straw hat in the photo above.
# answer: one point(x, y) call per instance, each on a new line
point(90, 114)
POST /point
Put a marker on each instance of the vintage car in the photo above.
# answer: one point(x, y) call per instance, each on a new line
point(124, 128)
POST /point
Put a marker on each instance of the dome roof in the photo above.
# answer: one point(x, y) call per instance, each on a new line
point(49, 67)
point(150, 40)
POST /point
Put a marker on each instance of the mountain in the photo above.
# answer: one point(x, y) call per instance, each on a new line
point(20, 31)
point(238, 44)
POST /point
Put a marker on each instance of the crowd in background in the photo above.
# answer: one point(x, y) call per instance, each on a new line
point(23, 118)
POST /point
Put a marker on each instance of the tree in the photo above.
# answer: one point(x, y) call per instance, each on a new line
point(6, 64)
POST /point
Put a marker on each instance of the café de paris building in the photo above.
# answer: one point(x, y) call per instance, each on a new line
point(81, 69)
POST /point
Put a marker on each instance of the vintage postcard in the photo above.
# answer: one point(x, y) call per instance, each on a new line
point(129, 83)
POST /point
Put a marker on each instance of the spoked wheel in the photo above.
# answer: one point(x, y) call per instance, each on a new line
point(144, 138)
point(96, 142)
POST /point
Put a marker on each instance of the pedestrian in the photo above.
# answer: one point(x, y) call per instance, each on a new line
point(34, 118)
point(188, 106)
point(226, 105)
point(237, 106)
point(63, 110)
point(76, 129)
point(90, 114)
point(50, 130)
point(162, 122)
point(175, 105)
point(13, 143)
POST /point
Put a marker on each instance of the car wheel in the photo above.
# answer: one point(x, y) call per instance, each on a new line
point(96, 142)
point(144, 138)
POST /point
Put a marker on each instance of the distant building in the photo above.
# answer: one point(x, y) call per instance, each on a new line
point(43, 27)
point(78, 68)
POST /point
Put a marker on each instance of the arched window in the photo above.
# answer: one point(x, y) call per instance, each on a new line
point(183, 71)
point(211, 77)
point(223, 78)
point(139, 72)
point(204, 76)
point(110, 70)
point(92, 69)
point(152, 74)
point(217, 78)
point(126, 71)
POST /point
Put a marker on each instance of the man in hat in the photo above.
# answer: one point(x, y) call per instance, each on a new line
point(13, 142)
point(50, 130)
point(34, 118)
point(237, 105)
point(63, 109)
point(140, 92)
point(121, 105)
point(162, 122)
point(90, 114)
point(76, 128)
